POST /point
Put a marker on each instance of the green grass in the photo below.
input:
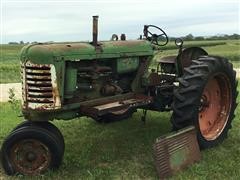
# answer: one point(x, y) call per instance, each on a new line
point(229, 49)
point(9, 73)
point(9, 63)
point(123, 150)
point(10, 53)
point(171, 45)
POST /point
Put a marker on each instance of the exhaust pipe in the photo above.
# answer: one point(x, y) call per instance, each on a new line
point(95, 31)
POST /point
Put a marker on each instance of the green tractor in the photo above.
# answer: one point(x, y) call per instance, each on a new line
point(108, 81)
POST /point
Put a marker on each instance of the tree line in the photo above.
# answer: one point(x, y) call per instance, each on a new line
point(190, 37)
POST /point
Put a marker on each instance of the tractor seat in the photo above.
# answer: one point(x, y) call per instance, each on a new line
point(167, 59)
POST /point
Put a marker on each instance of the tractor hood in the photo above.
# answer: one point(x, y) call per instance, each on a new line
point(77, 51)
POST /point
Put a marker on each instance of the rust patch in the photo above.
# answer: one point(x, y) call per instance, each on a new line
point(127, 43)
point(95, 31)
point(56, 95)
point(30, 157)
point(40, 90)
point(154, 79)
point(30, 65)
point(134, 102)
point(215, 106)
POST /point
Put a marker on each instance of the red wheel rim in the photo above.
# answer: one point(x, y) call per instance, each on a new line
point(30, 157)
point(215, 105)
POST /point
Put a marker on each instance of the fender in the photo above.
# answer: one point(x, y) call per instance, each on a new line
point(185, 57)
point(189, 54)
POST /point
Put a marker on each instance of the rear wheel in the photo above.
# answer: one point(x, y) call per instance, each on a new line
point(30, 151)
point(206, 98)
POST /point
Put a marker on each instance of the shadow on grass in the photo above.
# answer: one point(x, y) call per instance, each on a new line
point(117, 147)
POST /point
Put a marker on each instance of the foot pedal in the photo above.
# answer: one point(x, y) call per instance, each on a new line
point(176, 151)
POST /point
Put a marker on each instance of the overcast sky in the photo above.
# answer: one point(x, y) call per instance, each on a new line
point(59, 20)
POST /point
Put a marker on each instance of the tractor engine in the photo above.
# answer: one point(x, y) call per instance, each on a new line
point(66, 80)
point(93, 79)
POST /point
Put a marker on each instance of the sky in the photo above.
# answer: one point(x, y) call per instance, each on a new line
point(62, 20)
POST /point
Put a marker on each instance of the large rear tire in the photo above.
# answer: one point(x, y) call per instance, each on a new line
point(206, 98)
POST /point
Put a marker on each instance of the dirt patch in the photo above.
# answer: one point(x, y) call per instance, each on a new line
point(4, 91)
point(238, 72)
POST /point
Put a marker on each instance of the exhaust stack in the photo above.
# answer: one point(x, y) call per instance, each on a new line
point(95, 31)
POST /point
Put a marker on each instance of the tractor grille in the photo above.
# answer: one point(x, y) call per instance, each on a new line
point(38, 89)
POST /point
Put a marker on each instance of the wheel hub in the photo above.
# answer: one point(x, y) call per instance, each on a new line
point(215, 105)
point(30, 157)
point(204, 103)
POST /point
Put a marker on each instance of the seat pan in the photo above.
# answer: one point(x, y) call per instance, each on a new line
point(168, 59)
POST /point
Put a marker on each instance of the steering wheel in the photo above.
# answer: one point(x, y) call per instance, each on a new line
point(155, 38)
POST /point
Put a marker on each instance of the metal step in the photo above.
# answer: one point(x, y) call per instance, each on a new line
point(136, 101)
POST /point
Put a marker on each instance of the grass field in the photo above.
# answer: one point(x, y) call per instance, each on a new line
point(123, 150)
point(229, 49)
point(10, 71)
point(9, 63)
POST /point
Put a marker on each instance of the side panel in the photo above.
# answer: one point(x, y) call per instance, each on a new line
point(127, 64)
point(70, 81)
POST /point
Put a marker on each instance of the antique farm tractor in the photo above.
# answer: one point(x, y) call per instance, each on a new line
point(108, 81)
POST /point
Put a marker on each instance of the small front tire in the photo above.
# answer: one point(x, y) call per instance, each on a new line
point(46, 125)
point(30, 151)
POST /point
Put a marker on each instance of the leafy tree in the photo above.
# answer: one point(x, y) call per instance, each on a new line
point(189, 37)
point(199, 38)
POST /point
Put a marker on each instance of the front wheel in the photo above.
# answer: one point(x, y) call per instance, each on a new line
point(45, 125)
point(206, 98)
point(30, 151)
